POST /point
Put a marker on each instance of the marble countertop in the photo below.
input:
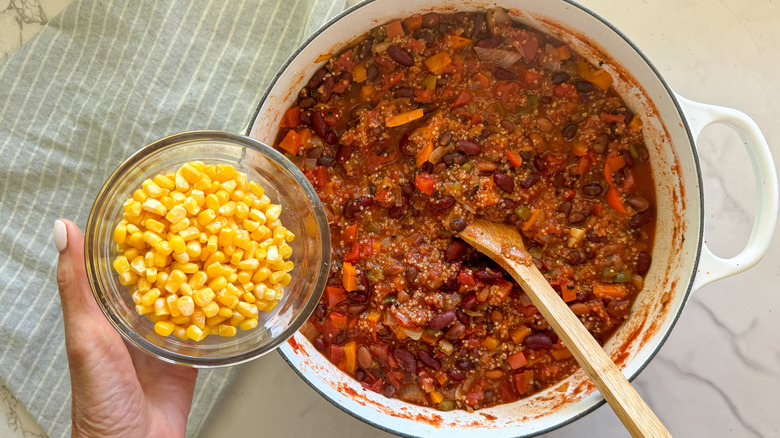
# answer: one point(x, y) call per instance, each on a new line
point(719, 372)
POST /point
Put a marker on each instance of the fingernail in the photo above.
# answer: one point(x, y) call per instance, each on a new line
point(60, 235)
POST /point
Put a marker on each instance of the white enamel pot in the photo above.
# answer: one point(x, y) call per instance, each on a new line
point(682, 263)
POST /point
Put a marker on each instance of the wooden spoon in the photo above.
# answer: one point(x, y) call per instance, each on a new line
point(504, 245)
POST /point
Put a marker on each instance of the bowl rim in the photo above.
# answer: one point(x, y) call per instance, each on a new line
point(169, 142)
point(673, 316)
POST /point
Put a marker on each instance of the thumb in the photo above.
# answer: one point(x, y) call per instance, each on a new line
point(88, 335)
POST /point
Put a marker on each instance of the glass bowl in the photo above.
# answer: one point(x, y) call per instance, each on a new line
point(284, 184)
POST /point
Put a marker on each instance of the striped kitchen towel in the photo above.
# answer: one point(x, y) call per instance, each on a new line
point(99, 82)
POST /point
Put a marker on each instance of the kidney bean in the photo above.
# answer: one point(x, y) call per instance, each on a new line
point(576, 217)
point(468, 147)
point(357, 297)
point(396, 211)
point(411, 274)
point(406, 146)
point(340, 338)
point(320, 311)
point(318, 123)
point(320, 344)
point(355, 206)
point(388, 391)
point(579, 309)
point(356, 309)
point(538, 340)
point(509, 126)
point(405, 359)
point(430, 20)
point(343, 154)
point(443, 203)
point(457, 224)
point(456, 375)
point(504, 182)
point(439, 168)
point(455, 332)
point(407, 189)
point(400, 56)
point(454, 250)
point(426, 35)
point(364, 358)
point(443, 28)
point(560, 78)
point(638, 202)
point(372, 72)
point(530, 180)
point(487, 166)
point(601, 144)
point(569, 131)
point(428, 360)
point(470, 302)
point(641, 218)
point(575, 257)
point(445, 138)
point(592, 189)
point(441, 320)
point(503, 74)
point(595, 238)
point(306, 103)
point(628, 116)
point(643, 260)
point(403, 92)
point(490, 43)
point(455, 158)
point(564, 207)
point(545, 100)
point(462, 317)
point(539, 163)
point(325, 161)
point(619, 308)
point(629, 159)
point(466, 365)
point(316, 80)
point(488, 275)
point(584, 87)
point(331, 138)
point(327, 89)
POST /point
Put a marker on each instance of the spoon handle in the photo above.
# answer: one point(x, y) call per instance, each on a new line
point(636, 416)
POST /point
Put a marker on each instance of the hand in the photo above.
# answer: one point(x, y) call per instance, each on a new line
point(117, 389)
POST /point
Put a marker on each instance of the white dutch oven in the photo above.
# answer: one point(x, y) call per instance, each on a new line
point(682, 263)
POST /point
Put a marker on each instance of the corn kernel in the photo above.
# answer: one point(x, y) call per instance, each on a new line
point(154, 206)
point(133, 207)
point(150, 297)
point(236, 318)
point(227, 300)
point(212, 202)
point(255, 189)
point(261, 275)
point(186, 305)
point(199, 196)
point(121, 264)
point(273, 212)
point(177, 244)
point(161, 261)
point(138, 265)
point(151, 274)
point(203, 297)
point(161, 307)
point(233, 290)
point(242, 210)
point(143, 285)
point(185, 290)
point(164, 182)
point(211, 309)
point(187, 268)
point(198, 318)
point(249, 298)
point(198, 279)
point(120, 233)
point(189, 233)
point(180, 332)
point(152, 189)
point(257, 215)
point(218, 283)
point(162, 278)
point(193, 249)
point(195, 333)
point(191, 205)
point(176, 213)
point(276, 277)
point(173, 308)
point(226, 312)
point(164, 328)
point(216, 320)
point(163, 247)
point(143, 310)
point(272, 254)
point(248, 324)
point(191, 174)
point(226, 330)
point(136, 296)
point(175, 279)
point(140, 196)
point(155, 226)
point(151, 238)
point(180, 226)
point(285, 251)
point(228, 209)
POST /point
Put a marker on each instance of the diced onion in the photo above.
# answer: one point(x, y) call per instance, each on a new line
point(502, 58)
point(438, 153)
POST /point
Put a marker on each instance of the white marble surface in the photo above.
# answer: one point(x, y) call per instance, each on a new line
point(719, 372)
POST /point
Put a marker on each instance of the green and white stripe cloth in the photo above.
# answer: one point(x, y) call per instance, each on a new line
point(99, 82)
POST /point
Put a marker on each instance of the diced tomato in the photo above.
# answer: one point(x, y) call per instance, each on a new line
point(522, 381)
point(348, 235)
point(475, 397)
point(482, 79)
point(317, 176)
point(335, 295)
point(612, 118)
point(336, 353)
point(517, 360)
point(363, 248)
point(339, 320)
point(291, 118)
point(344, 62)
point(598, 209)
point(463, 97)
point(466, 278)
point(568, 291)
point(425, 183)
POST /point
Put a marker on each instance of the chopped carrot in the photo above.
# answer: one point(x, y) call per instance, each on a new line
point(349, 277)
point(425, 183)
point(616, 163)
point(394, 30)
point(438, 62)
point(350, 357)
point(579, 149)
point(490, 343)
point(366, 91)
point(456, 42)
point(291, 118)
point(520, 333)
point(612, 197)
point(531, 220)
point(291, 142)
point(635, 124)
point(413, 23)
point(561, 354)
point(338, 320)
point(517, 360)
point(595, 76)
point(359, 73)
point(514, 158)
point(424, 154)
point(335, 295)
point(563, 52)
point(603, 291)
point(404, 118)
point(441, 378)
point(349, 233)
point(568, 291)
point(522, 381)
point(436, 397)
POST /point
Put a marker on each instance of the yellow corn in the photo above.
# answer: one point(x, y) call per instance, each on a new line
point(216, 320)
point(180, 226)
point(193, 248)
point(273, 212)
point(191, 174)
point(180, 332)
point(198, 318)
point(150, 297)
point(140, 196)
point(181, 257)
point(186, 305)
point(248, 324)
point(120, 233)
point(121, 264)
point(226, 330)
point(175, 279)
point(203, 297)
point(154, 206)
point(189, 233)
point(195, 333)
point(164, 328)
point(211, 309)
point(161, 307)
point(152, 189)
point(255, 189)
point(218, 283)
point(164, 182)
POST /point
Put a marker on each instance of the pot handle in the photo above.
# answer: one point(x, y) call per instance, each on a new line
point(712, 267)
